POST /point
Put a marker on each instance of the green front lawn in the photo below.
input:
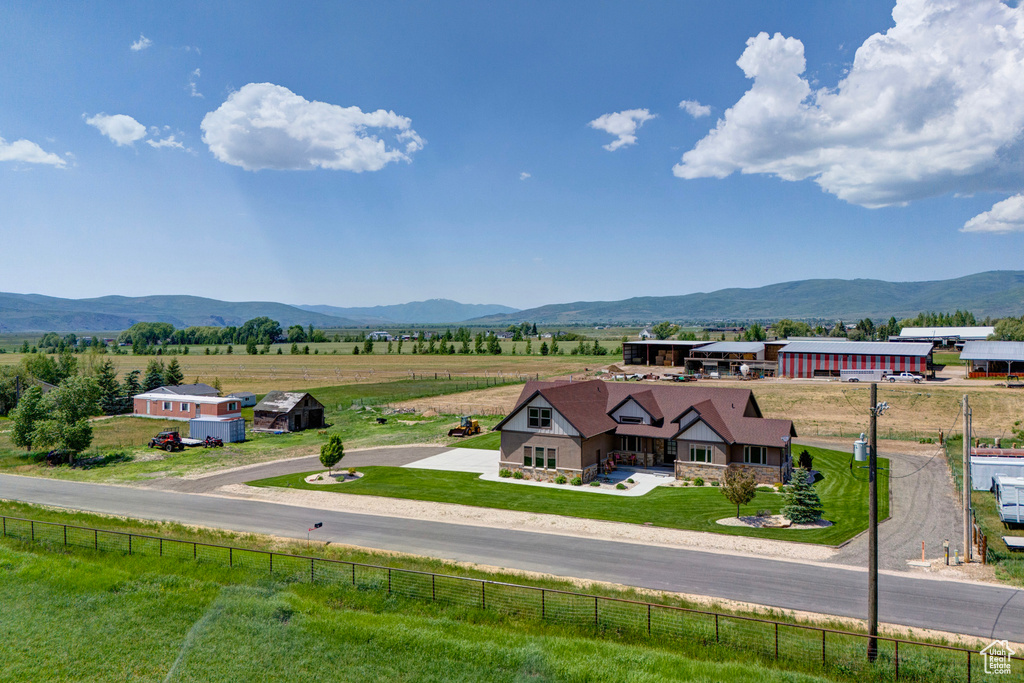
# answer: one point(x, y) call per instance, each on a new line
point(488, 440)
point(843, 492)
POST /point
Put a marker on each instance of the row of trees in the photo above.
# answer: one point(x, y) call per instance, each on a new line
point(58, 419)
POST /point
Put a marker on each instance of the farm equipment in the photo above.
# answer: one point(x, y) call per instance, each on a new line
point(467, 427)
point(168, 441)
point(213, 442)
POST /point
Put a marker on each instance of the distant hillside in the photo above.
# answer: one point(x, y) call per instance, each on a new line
point(994, 293)
point(37, 313)
point(432, 311)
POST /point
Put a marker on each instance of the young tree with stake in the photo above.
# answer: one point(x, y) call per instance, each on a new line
point(739, 487)
point(332, 452)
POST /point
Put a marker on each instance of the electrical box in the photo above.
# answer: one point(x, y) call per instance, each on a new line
point(860, 449)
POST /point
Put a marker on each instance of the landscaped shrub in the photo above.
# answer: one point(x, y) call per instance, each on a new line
point(630, 481)
point(716, 483)
point(595, 483)
point(764, 513)
point(351, 471)
point(620, 486)
point(518, 474)
point(699, 481)
point(504, 474)
point(560, 479)
point(686, 483)
point(778, 486)
point(577, 481)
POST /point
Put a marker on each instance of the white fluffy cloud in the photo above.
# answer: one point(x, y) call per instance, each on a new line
point(263, 125)
point(695, 108)
point(141, 44)
point(623, 125)
point(1004, 216)
point(28, 152)
point(933, 105)
point(524, 176)
point(120, 128)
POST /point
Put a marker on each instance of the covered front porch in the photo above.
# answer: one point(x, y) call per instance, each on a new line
point(643, 453)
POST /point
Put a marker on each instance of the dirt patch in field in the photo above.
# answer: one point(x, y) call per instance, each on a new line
point(493, 401)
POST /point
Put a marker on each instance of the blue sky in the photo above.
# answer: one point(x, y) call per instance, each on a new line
point(517, 153)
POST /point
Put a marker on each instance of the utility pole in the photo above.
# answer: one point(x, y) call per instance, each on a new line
point(967, 480)
point(873, 527)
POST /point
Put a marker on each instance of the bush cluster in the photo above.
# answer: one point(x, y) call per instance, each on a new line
point(577, 481)
point(504, 474)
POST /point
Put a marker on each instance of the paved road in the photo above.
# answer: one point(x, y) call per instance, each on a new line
point(395, 456)
point(986, 611)
point(923, 507)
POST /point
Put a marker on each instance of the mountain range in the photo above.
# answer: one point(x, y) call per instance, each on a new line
point(432, 311)
point(993, 293)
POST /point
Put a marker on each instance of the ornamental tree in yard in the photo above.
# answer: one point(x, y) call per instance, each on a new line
point(803, 506)
point(739, 487)
point(332, 452)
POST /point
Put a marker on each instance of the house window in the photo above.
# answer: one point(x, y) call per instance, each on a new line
point(184, 407)
point(538, 457)
point(700, 453)
point(671, 449)
point(552, 454)
point(527, 456)
point(167, 406)
point(630, 444)
point(755, 455)
point(539, 418)
point(630, 420)
point(232, 406)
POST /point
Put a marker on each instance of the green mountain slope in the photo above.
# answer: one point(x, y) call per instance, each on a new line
point(994, 293)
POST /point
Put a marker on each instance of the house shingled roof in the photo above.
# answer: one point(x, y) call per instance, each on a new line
point(587, 406)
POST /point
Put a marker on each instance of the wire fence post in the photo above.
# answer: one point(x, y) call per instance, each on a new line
point(312, 572)
point(353, 573)
point(648, 619)
point(271, 564)
point(433, 587)
point(823, 647)
point(231, 557)
point(95, 539)
point(161, 546)
point(896, 660)
point(194, 551)
point(776, 640)
point(543, 614)
point(65, 534)
point(129, 544)
point(5, 527)
point(32, 530)
point(716, 628)
point(595, 611)
point(389, 569)
point(483, 595)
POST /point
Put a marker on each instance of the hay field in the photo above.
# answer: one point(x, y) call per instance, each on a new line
point(262, 373)
point(824, 409)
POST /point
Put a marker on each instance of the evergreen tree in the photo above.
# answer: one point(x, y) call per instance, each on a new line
point(803, 505)
point(110, 390)
point(399, 346)
point(368, 345)
point(529, 348)
point(129, 388)
point(26, 415)
point(154, 375)
point(173, 376)
point(543, 348)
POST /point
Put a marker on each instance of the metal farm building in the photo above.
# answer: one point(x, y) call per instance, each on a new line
point(802, 359)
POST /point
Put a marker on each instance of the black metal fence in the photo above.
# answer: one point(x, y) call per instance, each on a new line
point(832, 651)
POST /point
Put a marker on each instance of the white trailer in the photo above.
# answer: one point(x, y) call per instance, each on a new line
point(1010, 498)
point(872, 375)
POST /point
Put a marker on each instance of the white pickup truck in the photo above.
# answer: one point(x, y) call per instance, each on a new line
point(904, 377)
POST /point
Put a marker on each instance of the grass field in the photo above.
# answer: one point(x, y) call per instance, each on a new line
point(947, 358)
point(356, 425)
point(81, 615)
point(94, 618)
point(842, 492)
point(262, 373)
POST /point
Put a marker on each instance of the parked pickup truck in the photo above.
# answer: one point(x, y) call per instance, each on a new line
point(904, 377)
